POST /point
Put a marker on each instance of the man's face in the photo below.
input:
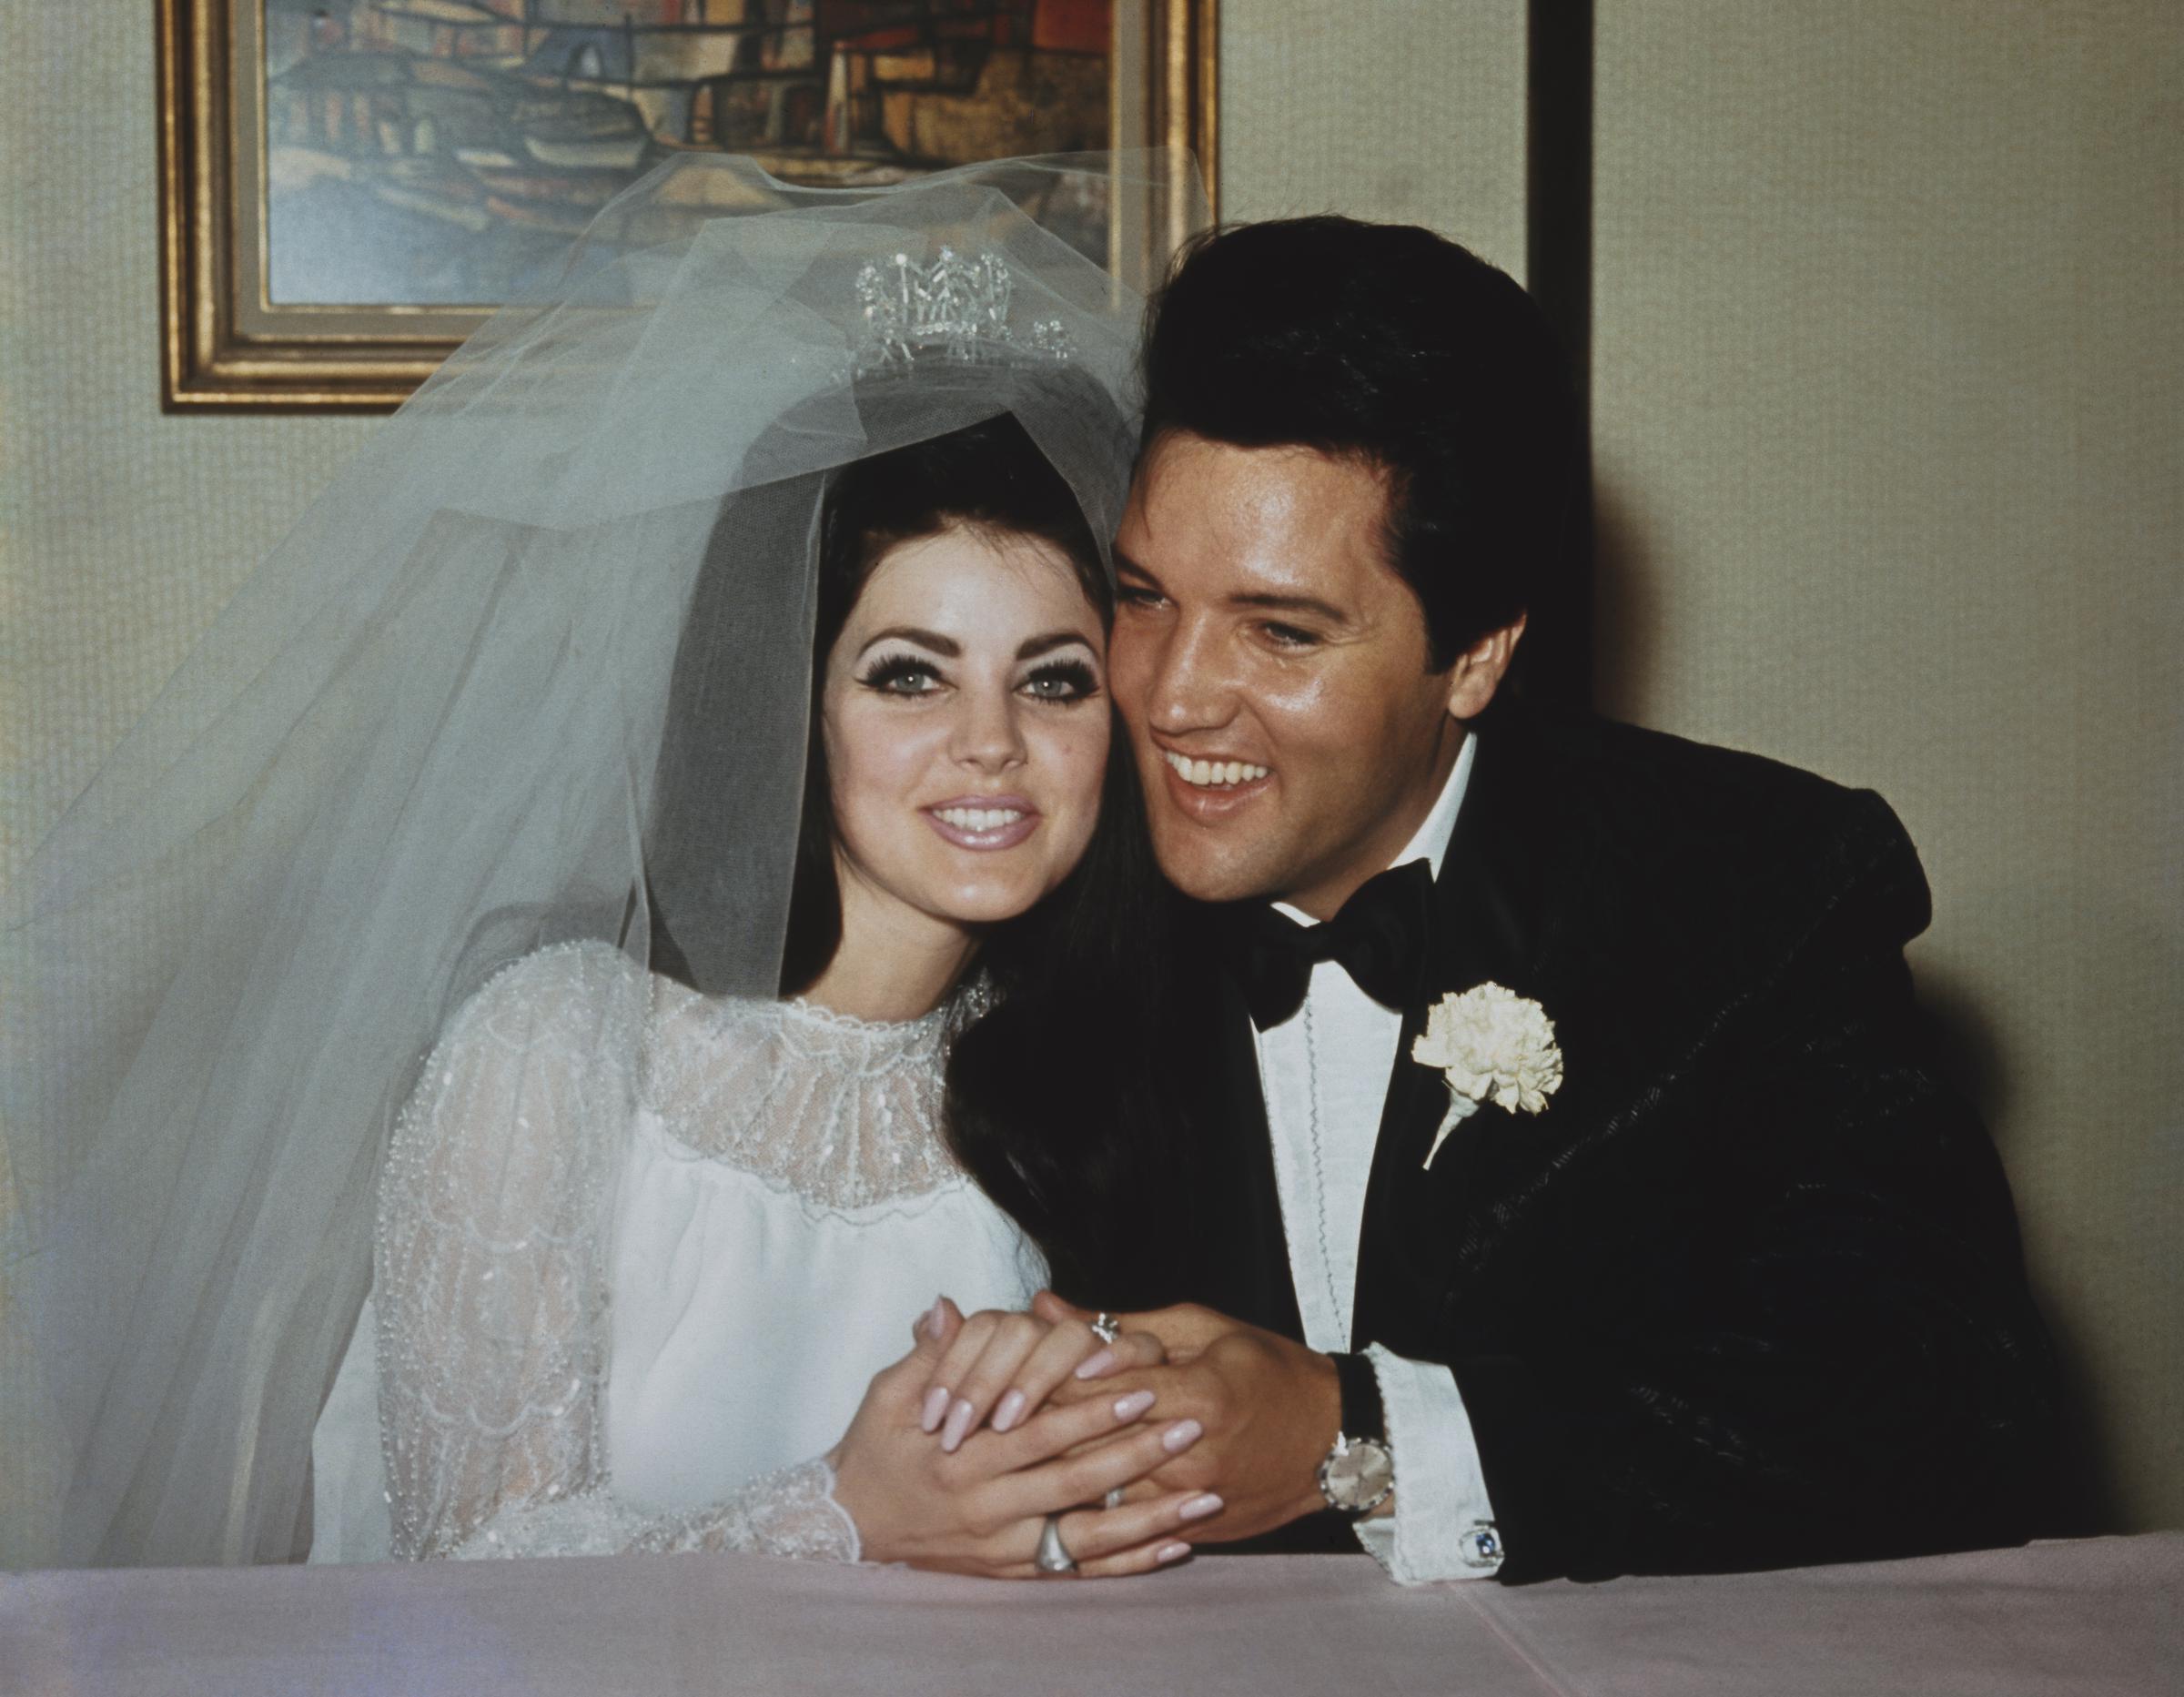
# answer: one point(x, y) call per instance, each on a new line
point(1272, 668)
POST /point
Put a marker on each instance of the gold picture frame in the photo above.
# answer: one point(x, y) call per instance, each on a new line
point(229, 345)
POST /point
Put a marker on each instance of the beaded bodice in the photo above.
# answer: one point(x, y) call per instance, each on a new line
point(843, 1113)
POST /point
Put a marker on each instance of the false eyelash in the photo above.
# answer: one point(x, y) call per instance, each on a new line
point(890, 670)
point(1074, 672)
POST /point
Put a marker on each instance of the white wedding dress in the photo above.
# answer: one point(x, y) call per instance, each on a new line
point(639, 1252)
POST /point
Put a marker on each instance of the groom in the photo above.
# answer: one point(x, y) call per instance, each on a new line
point(1691, 1263)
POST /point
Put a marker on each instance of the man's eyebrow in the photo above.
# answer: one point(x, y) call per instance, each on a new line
point(946, 646)
point(1266, 602)
point(1292, 604)
point(1038, 645)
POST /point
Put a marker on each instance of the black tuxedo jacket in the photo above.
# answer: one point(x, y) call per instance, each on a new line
point(1749, 1292)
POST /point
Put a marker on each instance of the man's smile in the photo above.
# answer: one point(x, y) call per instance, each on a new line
point(1213, 773)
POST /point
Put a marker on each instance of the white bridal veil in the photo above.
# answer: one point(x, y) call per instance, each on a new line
point(538, 659)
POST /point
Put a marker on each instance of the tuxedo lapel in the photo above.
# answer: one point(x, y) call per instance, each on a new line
point(1487, 920)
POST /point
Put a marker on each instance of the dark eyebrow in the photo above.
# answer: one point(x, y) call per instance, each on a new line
point(946, 646)
point(1053, 640)
point(949, 648)
point(1292, 604)
point(1264, 603)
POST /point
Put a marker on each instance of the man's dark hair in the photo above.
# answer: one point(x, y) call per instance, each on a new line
point(1393, 346)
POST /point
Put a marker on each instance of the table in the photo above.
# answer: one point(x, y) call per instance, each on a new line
point(2085, 1616)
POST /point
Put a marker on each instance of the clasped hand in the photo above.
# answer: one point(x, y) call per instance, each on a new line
point(1188, 1420)
point(930, 1481)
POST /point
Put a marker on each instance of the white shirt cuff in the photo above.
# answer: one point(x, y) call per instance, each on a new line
point(1443, 1524)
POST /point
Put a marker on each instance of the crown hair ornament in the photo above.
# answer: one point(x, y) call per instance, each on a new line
point(955, 309)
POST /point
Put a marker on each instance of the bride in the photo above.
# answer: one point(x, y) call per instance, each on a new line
point(686, 723)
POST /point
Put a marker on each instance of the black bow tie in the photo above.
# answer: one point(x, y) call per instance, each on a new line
point(1378, 938)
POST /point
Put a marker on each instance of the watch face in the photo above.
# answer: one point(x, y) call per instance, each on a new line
point(1358, 1476)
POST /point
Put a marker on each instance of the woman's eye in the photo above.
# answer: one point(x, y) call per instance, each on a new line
point(1069, 681)
point(902, 676)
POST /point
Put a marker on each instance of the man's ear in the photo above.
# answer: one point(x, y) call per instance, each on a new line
point(1479, 668)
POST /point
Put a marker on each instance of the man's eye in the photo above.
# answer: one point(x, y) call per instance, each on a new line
point(1140, 600)
point(1289, 636)
point(902, 675)
point(1070, 680)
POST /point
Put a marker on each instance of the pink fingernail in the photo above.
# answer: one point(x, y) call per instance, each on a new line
point(1130, 1406)
point(958, 1426)
point(932, 1322)
point(1093, 1365)
point(1181, 1435)
point(1171, 1552)
point(1199, 1507)
point(937, 1405)
point(1010, 1411)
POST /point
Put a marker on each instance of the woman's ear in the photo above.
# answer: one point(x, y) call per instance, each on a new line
point(1479, 668)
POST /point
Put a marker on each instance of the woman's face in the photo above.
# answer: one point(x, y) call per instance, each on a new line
point(965, 718)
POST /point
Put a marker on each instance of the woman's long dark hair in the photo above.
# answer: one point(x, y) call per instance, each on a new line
point(1052, 1104)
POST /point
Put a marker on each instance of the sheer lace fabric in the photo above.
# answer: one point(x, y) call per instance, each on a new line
point(790, 1513)
point(498, 1221)
point(838, 1111)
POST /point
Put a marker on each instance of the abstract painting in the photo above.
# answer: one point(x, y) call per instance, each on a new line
point(350, 186)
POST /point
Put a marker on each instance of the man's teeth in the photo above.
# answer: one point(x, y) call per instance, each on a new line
point(978, 818)
point(1214, 773)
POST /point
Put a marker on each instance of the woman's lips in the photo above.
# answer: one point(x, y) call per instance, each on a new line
point(984, 822)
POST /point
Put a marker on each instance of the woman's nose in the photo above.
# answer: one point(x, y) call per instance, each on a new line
point(988, 736)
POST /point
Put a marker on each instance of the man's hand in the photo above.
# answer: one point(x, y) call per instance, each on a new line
point(1270, 1408)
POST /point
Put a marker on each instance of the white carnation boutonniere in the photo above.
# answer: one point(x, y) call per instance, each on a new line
point(1492, 1045)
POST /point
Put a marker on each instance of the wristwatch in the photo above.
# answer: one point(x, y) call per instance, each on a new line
point(1359, 1473)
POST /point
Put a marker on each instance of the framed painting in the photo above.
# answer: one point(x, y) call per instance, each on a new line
point(348, 187)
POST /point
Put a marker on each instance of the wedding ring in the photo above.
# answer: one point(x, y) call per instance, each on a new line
point(1052, 1556)
point(1113, 1500)
point(1105, 1327)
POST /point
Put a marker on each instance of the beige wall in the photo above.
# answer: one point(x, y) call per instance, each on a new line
point(121, 531)
point(1886, 417)
point(1411, 110)
point(1885, 396)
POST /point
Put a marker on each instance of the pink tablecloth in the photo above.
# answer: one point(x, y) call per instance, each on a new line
point(2101, 1615)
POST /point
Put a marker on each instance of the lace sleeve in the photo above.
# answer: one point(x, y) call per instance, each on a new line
point(491, 1289)
point(490, 1280)
point(790, 1513)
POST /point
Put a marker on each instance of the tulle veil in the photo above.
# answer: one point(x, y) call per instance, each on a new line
point(433, 732)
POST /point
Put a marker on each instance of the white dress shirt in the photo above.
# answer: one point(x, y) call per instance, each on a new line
point(1324, 1075)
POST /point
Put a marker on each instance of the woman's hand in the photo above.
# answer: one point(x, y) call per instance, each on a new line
point(980, 1509)
point(1007, 1364)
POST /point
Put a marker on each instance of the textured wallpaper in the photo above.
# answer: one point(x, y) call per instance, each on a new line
point(122, 531)
point(1408, 110)
point(1885, 396)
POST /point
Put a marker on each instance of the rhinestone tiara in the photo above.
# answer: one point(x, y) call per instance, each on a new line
point(955, 309)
